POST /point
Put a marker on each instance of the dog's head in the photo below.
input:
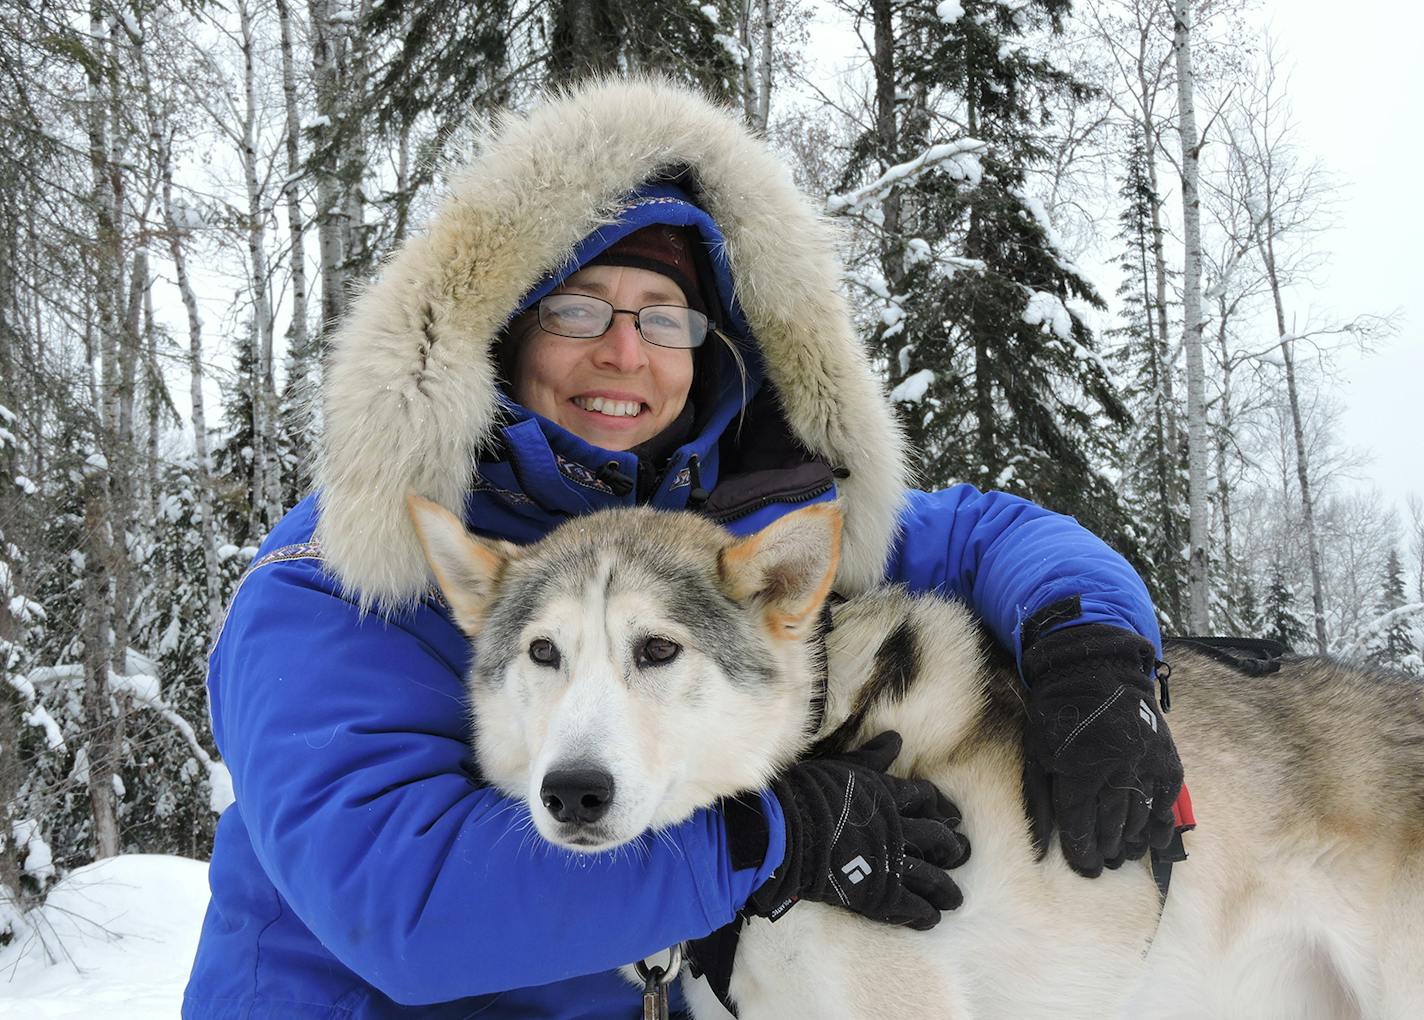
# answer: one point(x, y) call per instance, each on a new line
point(636, 665)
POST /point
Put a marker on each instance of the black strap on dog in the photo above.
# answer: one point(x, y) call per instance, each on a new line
point(1252, 656)
point(712, 958)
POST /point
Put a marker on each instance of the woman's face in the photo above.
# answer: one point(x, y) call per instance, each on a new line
point(562, 378)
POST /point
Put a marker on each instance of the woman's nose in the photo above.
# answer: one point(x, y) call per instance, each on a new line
point(621, 347)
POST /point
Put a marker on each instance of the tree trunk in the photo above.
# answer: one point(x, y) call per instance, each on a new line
point(1223, 491)
point(1302, 466)
point(1199, 606)
point(1164, 411)
point(98, 712)
point(892, 262)
point(328, 49)
point(98, 551)
point(207, 526)
point(265, 500)
point(763, 109)
point(298, 342)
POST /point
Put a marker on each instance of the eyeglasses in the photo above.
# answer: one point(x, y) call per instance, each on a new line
point(582, 317)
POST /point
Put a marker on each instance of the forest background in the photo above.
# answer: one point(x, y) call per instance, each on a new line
point(1085, 243)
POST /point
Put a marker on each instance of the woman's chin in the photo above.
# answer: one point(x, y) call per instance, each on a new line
point(614, 434)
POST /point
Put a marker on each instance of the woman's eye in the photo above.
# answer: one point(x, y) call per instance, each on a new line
point(542, 651)
point(656, 651)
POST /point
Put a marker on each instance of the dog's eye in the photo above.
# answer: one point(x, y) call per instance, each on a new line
point(656, 651)
point(542, 651)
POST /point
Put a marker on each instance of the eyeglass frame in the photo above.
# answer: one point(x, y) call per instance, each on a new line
point(707, 324)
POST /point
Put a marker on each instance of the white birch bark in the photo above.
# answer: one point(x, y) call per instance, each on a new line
point(297, 332)
point(763, 107)
point(1198, 589)
point(98, 527)
point(266, 508)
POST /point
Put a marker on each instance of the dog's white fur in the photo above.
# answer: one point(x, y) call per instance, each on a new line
point(409, 393)
point(1303, 896)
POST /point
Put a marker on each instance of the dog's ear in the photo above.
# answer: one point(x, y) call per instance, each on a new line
point(467, 567)
point(787, 567)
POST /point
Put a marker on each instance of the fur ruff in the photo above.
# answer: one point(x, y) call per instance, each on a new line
point(410, 389)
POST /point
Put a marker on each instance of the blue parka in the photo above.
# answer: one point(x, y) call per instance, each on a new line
point(365, 870)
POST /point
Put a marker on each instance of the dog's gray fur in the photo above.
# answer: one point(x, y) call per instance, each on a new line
point(1303, 895)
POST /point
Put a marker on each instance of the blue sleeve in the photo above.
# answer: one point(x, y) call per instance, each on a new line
point(1009, 558)
point(346, 738)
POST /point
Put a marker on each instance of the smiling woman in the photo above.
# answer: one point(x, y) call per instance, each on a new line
point(540, 354)
point(615, 389)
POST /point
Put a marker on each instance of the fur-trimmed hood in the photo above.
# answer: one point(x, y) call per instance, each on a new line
point(410, 393)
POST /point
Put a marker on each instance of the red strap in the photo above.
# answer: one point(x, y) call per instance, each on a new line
point(1183, 809)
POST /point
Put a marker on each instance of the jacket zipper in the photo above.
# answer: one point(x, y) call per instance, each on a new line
point(795, 496)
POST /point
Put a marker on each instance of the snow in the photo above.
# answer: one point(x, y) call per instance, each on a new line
point(913, 389)
point(39, 860)
point(226, 551)
point(1055, 243)
point(733, 48)
point(7, 438)
point(959, 159)
point(37, 716)
point(26, 486)
point(6, 415)
point(22, 684)
point(319, 121)
point(96, 462)
point(115, 939)
point(172, 634)
point(26, 610)
point(710, 13)
point(79, 775)
point(949, 11)
point(221, 779)
point(141, 687)
point(1047, 310)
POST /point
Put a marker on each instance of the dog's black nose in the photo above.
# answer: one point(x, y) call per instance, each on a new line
point(577, 795)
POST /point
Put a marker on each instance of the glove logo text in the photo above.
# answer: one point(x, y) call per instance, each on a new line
point(1148, 716)
point(856, 870)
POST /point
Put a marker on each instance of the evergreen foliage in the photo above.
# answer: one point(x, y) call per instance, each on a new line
point(1153, 470)
point(1282, 622)
point(1394, 645)
point(673, 37)
point(996, 371)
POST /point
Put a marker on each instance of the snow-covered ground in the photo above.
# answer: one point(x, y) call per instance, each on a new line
point(114, 940)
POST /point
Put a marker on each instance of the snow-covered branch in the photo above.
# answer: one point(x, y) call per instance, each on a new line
point(1356, 648)
point(959, 159)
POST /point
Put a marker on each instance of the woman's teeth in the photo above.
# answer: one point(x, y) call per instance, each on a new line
point(615, 408)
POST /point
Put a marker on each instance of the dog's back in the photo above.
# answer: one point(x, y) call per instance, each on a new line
point(1303, 895)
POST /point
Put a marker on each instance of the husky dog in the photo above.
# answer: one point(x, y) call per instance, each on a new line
point(635, 666)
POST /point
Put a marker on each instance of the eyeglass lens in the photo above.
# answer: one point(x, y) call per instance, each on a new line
point(584, 317)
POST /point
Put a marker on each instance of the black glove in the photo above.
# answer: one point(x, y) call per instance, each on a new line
point(1099, 761)
point(857, 838)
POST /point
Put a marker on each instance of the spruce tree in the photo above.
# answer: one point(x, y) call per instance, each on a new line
point(995, 371)
point(1153, 471)
point(672, 37)
point(1393, 644)
point(1282, 622)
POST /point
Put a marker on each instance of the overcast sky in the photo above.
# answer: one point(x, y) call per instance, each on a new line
point(1357, 85)
point(1357, 88)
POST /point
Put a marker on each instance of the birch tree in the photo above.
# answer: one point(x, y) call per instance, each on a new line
point(1199, 592)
